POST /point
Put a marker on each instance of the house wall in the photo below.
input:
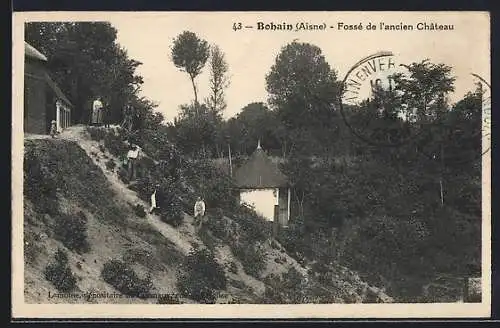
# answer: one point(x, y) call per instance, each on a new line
point(35, 120)
point(262, 200)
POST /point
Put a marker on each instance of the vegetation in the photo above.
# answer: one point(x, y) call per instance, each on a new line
point(59, 273)
point(110, 165)
point(119, 275)
point(72, 232)
point(202, 277)
point(394, 194)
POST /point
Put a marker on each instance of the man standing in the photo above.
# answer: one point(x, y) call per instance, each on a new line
point(199, 212)
point(132, 157)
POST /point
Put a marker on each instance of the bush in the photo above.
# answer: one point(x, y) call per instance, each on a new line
point(59, 273)
point(251, 257)
point(114, 144)
point(172, 214)
point(285, 289)
point(219, 226)
point(110, 165)
point(72, 232)
point(96, 133)
point(119, 275)
point(256, 228)
point(40, 183)
point(139, 210)
point(202, 278)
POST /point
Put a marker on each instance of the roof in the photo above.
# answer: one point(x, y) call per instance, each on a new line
point(259, 172)
point(32, 52)
point(55, 88)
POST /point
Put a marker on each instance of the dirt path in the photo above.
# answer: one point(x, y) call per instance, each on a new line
point(78, 134)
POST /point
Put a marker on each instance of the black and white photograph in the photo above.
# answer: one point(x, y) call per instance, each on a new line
point(296, 163)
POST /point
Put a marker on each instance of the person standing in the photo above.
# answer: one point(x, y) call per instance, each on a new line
point(132, 157)
point(97, 111)
point(199, 212)
point(155, 197)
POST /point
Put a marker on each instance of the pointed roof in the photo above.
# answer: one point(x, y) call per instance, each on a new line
point(259, 172)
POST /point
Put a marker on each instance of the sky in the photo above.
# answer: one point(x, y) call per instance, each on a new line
point(250, 53)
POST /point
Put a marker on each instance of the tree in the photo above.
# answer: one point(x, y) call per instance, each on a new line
point(422, 88)
point(195, 126)
point(255, 121)
point(189, 54)
point(85, 60)
point(219, 80)
point(302, 87)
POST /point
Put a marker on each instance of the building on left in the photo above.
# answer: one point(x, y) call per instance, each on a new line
point(43, 99)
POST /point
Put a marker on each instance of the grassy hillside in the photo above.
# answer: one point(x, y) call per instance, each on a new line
point(86, 231)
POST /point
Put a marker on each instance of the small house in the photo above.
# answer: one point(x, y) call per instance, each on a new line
point(43, 99)
point(264, 187)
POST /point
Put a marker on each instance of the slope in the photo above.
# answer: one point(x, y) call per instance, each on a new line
point(68, 177)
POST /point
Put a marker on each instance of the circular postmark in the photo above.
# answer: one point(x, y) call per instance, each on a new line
point(367, 92)
point(366, 108)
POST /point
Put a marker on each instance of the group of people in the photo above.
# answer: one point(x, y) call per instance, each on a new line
point(199, 207)
point(100, 114)
point(100, 117)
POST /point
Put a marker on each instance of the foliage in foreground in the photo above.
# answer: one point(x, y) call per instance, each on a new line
point(202, 277)
point(59, 273)
point(121, 276)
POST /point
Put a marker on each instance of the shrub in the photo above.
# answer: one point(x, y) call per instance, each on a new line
point(139, 210)
point(387, 247)
point(218, 225)
point(96, 133)
point(172, 214)
point(287, 288)
point(256, 228)
point(202, 278)
point(40, 183)
point(59, 273)
point(114, 144)
point(110, 165)
point(72, 232)
point(251, 257)
point(119, 275)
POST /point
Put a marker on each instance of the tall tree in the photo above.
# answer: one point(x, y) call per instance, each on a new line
point(301, 85)
point(219, 80)
point(189, 54)
point(303, 90)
